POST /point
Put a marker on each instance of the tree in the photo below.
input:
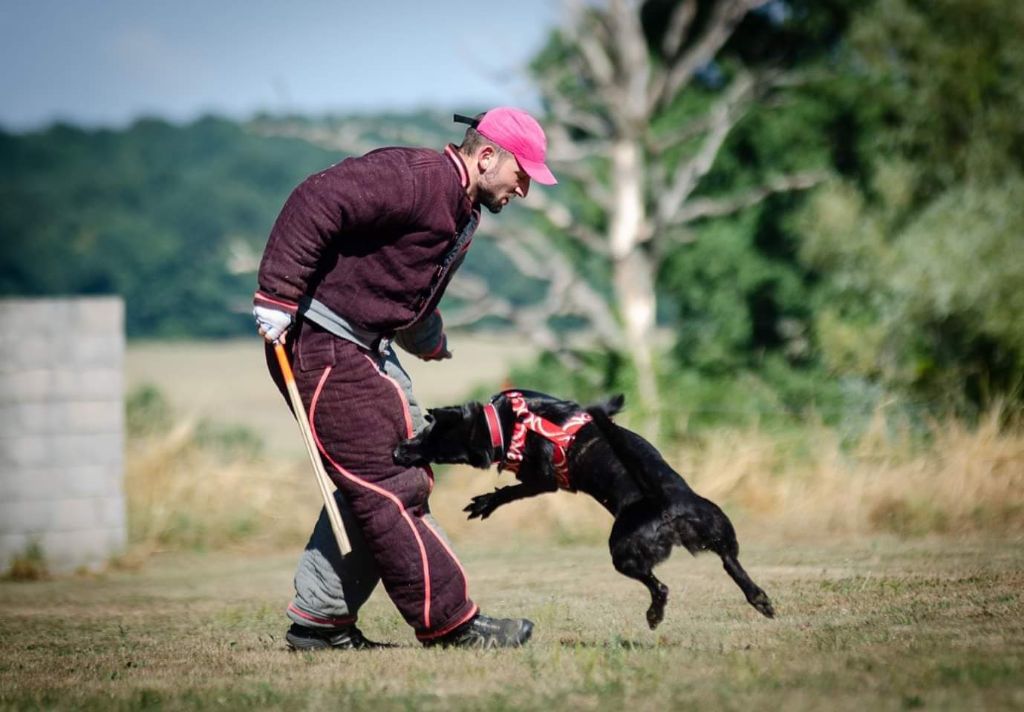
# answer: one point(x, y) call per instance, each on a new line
point(920, 258)
point(642, 98)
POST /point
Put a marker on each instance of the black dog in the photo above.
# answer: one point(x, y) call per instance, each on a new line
point(552, 444)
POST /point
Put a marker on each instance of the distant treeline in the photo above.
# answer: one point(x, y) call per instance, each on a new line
point(171, 217)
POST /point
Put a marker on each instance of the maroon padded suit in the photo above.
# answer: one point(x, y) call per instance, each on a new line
point(375, 240)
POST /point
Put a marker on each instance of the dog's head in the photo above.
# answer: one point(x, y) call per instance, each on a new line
point(454, 435)
point(470, 435)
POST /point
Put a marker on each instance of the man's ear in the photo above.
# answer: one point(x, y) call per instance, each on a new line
point(485, 158)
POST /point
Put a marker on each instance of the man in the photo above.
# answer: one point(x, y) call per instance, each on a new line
point(359, 257)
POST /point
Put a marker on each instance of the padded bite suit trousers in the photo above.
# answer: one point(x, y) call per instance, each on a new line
point(360, 406)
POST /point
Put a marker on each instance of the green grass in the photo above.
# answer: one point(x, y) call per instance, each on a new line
point(870, 623)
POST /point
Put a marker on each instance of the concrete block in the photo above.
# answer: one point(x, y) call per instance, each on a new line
point(37, 517)
point(56, 417)
point(41, 385)
point(65, 551)
point(92, 481)
point(42, 350)
point(46, 482)
point(111, 513)
point(88, 384)
point(68, 551)
point(86, 316)
point(61, 429)
point(61, 450)
point(18, 484)
point(12, 546)
point(25, 517)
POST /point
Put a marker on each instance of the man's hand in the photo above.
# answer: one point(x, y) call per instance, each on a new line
point(439, 355)
point(273, 323)
point(425, 339)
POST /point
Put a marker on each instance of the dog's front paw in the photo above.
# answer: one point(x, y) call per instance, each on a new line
point(482, 505)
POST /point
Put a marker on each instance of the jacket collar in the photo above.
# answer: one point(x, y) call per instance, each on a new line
point(460, 166)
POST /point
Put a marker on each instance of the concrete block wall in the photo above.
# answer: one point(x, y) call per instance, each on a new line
point(62, 430)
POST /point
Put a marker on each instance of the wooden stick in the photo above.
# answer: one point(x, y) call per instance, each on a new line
point(314, 454)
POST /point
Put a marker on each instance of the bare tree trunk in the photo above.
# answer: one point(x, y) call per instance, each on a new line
point(633, 274)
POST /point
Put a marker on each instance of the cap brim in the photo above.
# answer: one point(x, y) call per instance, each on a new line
point(538, 171)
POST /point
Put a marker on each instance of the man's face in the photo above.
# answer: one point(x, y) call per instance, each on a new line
point(502, 180)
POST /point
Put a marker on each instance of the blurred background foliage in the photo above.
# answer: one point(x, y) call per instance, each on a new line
point(900, 275)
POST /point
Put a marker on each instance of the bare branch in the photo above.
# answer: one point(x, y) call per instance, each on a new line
point(723, 117)
point(570, 116)
point(578, 296)
point(530, 322)
point(561, 217)
point(598, 63)
point(682, 134)
point(700, 208)
point(534, 256)
point(678, 25)
point(562, 148)
point(562, 108)
point(726, 15)
point(480, 303)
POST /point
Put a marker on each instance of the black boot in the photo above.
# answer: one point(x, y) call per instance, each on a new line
point(485, 632)
point(300, 637)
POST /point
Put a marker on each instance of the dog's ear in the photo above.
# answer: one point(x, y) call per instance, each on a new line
point(446, 417)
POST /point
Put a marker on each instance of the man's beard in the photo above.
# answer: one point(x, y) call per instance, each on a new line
point(489, 200)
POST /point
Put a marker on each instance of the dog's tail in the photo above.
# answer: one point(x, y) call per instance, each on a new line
point(613, 405)
point(630, 449)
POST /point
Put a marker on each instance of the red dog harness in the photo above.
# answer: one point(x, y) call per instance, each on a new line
point(559, 436)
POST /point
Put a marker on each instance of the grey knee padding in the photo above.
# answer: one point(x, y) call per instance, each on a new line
point(326, 585)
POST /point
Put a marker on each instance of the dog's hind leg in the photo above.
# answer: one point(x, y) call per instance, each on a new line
point(659, 591)
point(755, 596)
point(637, 545)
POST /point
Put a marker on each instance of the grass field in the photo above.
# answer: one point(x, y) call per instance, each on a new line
point(872, 623)
point(930, 619)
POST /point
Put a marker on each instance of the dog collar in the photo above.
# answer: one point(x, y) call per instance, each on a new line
point(561, 436)
point(494, 426)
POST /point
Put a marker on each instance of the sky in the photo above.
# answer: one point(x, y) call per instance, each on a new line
point(104, 63)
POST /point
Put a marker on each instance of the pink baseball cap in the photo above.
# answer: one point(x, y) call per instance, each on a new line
point(518, 133)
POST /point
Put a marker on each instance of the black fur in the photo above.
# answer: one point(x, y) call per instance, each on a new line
point(653, 507)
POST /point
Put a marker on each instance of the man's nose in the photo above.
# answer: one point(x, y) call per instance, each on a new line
point(523, 187)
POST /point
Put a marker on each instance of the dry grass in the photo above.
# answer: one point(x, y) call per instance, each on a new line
point(183, 495)
point(956, 479)
point(965, 480)
point(864, 623)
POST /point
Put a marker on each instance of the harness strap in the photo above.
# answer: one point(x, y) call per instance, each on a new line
point(494, 426)
point(560, 436)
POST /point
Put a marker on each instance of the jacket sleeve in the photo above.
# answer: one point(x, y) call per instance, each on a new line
point(351, 197)
point(426, 338)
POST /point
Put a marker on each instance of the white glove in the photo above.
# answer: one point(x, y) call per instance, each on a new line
point(272, 323)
